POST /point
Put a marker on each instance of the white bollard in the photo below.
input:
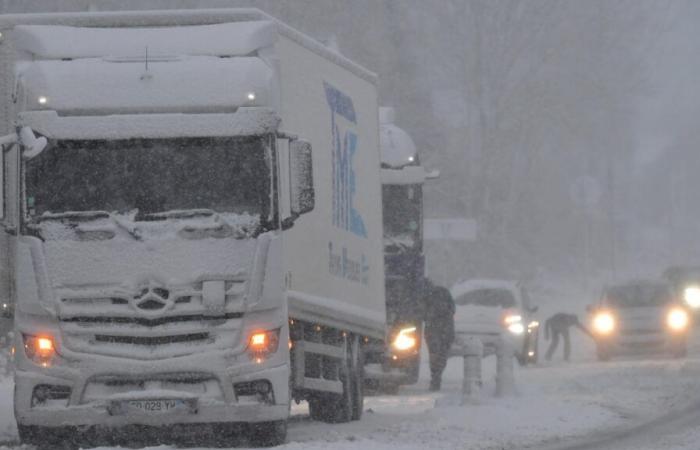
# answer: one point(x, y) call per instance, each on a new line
point(505, 378)
point(473, 350)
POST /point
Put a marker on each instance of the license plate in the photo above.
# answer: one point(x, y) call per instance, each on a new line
point(154, 406)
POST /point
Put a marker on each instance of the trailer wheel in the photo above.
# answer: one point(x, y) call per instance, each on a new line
point(268, 434)
point(335, 408)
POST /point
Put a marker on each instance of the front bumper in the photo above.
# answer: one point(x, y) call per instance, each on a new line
point(91, 400)
point(642, 343)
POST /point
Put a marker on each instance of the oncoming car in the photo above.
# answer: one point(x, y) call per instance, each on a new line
point(491, 309)
point(639, 317)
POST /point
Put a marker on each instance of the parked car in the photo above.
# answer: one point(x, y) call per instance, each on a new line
point(639, 317)
point(491, 309)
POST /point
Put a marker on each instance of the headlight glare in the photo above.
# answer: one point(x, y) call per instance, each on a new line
point(677, 319)
point(691, 296)
point(512, 318)
point(516, 328)
point(405, 339)
point(604, 323)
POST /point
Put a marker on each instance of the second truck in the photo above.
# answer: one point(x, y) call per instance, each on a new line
point(396, 361)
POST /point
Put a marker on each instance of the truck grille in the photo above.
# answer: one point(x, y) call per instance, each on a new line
point(158, 340)
point(152, 322)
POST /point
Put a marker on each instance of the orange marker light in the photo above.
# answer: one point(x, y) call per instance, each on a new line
point(258, 340)
point(45, 344)
point(262, 344)
point(40, 349)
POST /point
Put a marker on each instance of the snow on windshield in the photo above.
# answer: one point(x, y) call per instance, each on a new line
point(150, 176)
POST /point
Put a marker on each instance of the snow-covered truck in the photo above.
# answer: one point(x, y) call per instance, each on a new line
point(397, 361)
point(192, 226)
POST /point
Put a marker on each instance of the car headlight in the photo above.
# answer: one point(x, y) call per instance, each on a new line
point(514, 323)
point(512, 318)
point(604, 323)
point(691, 295)
point(405, 339)
point(677, 319)
point(40, 349)
point(516, 328)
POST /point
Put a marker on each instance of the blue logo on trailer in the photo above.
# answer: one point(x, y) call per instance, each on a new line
point(343, 123)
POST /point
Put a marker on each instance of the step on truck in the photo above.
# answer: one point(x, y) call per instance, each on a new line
point(191, 224)
point(396, 361)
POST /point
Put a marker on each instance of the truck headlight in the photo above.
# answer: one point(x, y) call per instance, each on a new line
point(263, 344)
point(604, 323)
point(405, 339)
point(39, 349)
point(691, 296)
point(677, 319)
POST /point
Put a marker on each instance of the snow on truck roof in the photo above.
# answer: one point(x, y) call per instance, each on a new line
point(186, 84)
point(397, 146)
point(463, 287)
point(181, 18)
point(224, 39)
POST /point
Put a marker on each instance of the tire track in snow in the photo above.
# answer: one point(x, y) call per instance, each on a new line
point(640, 434)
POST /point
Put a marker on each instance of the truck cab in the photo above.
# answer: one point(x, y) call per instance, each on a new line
point(149, 195)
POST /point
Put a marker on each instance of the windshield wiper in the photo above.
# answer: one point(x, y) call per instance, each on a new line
point(176, 214)
point(85, 216)
point(77, 215)
point(127, 226)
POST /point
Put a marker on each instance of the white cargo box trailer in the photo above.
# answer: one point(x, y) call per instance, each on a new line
point(203, 226)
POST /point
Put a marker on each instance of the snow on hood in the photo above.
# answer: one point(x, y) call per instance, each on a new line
point(63, 42)
point(123, 259)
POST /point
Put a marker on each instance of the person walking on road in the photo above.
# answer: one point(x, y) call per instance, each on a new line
point(439, 329)
point(558, 326)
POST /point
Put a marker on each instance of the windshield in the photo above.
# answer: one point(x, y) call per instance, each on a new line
point(402, 215)
point(494, 298)
point(225, 175)
point(638, 296)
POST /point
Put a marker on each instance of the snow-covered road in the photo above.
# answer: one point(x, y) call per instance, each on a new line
point(556, 405)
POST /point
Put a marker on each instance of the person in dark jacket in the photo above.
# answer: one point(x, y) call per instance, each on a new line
point(439, 329)
point(558, 325)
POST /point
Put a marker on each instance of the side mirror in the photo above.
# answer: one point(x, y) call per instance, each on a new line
point(32, 146)
point(533, 309)
point(303, 197)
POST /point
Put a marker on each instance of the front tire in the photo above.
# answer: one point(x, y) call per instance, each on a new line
point(680, 350)
point(603, 354)
point(268, 434)
point(45, 438)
